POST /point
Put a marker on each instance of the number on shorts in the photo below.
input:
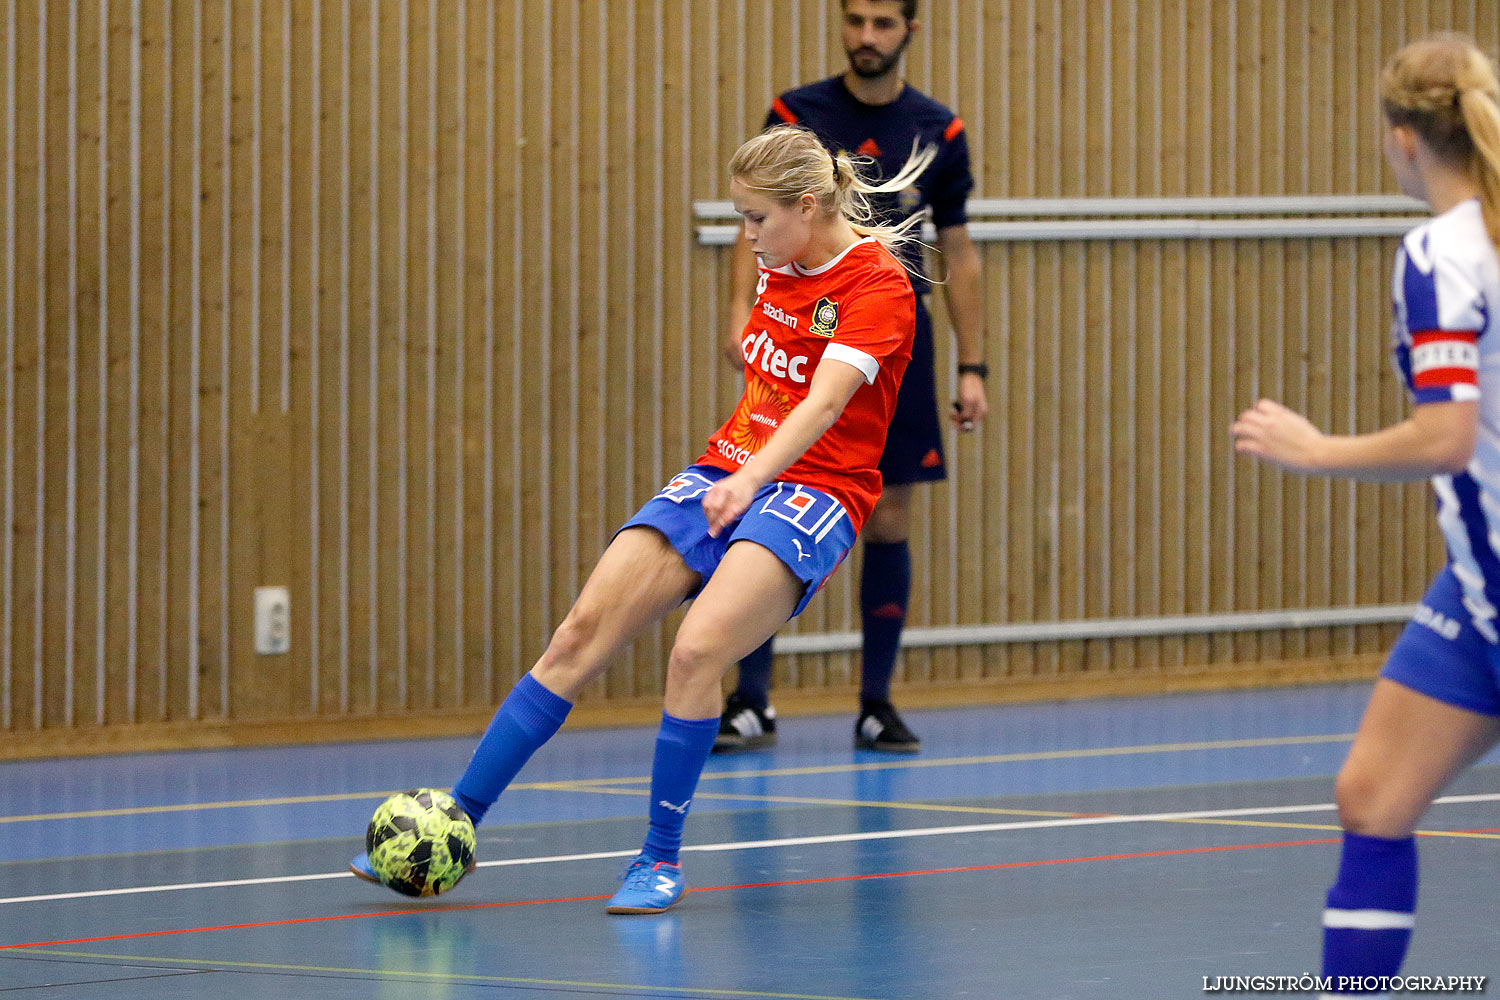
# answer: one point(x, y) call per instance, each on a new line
point(686, 486)
point(810, 511)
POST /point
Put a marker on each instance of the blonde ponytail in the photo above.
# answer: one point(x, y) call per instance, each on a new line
point(1481, 114)
point(1444, 88)
point(786, 162)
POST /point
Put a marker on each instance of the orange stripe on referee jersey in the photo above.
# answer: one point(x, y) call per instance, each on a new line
point(784, 111)
point(956, 127)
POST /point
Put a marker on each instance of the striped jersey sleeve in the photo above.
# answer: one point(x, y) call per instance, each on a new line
point(1441, 314)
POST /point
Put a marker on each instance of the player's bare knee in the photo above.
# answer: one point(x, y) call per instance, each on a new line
point(1367, 809)
point(1351, 794)
point(570, 654)
point(578, 630)
point(695, 662)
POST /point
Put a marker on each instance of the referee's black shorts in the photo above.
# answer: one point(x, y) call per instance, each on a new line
point(914, 444)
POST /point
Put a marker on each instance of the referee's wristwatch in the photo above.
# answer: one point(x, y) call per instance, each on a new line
point(978, 368)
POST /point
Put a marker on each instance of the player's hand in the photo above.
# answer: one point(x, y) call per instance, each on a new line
point(728, 499)
point(1278, 435)
point(971, 405)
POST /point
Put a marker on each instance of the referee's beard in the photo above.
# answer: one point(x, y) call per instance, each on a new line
point(869, 69)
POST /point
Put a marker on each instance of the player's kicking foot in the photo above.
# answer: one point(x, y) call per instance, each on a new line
point(359, 865)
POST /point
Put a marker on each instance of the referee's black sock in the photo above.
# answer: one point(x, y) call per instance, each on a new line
point(884, 590)
point(754, 687)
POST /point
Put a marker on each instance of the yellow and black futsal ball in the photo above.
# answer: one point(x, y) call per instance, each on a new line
point(420, 842)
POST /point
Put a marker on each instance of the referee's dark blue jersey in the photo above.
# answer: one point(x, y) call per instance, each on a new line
point(885, 132)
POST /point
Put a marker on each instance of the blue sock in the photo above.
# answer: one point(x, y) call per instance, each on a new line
point(755, 677)
point(682, 747)
point(1371, 909)
point(884, 590)
point(526, 719)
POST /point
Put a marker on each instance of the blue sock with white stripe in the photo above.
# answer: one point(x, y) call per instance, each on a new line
point(528, 717)
point(682, 748)
point(1371, 908)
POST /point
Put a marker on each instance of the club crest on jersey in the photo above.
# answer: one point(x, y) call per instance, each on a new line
point(825, 317)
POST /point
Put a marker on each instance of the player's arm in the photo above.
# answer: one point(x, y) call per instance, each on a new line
point(961, 294)
point(743, 275)
point(1438, 438)
point(833, 384)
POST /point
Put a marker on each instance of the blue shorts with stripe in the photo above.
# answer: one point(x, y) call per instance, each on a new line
point(1442, 655)
point(803, 527)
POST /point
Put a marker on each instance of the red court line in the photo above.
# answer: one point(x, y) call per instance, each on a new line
point(714, 888)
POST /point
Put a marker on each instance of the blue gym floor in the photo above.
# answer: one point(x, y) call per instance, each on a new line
point(1102, 849)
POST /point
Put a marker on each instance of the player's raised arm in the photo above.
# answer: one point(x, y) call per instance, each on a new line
point(833, 384)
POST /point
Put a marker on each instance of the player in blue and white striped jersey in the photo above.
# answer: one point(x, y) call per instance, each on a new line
point(1436, 708)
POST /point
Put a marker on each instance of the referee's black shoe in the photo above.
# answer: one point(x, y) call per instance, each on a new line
point(745, 727)
point(880, 728)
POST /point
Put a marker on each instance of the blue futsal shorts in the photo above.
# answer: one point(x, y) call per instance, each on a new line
point(805, 528)
point(1442, 655)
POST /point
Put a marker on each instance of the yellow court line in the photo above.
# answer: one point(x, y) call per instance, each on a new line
point(1006, 758)
point(190, 806)
point(991, 811)
point(290, 800)
point(1275, 824)
point(454, 977)
point(1460, 834)
point(798, 800)
point(570, 784)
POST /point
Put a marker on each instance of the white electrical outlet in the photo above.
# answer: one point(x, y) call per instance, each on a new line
point(273, 620)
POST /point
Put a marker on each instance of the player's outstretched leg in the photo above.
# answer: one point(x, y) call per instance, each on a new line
point(638, 581)
point(528, 717)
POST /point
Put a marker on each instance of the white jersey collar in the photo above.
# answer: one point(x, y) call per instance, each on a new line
point(824, 268)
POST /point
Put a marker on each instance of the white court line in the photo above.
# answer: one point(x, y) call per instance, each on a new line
point(749, 845)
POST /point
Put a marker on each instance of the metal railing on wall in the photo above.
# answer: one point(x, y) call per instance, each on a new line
point(1150, 218)
point(1107, 628)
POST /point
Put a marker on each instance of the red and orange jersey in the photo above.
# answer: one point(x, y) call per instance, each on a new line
point(858, 308)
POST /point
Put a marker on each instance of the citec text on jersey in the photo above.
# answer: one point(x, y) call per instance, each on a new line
point(1344, 984)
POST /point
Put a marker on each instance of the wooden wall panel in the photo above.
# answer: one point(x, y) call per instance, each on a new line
point(400, 306)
